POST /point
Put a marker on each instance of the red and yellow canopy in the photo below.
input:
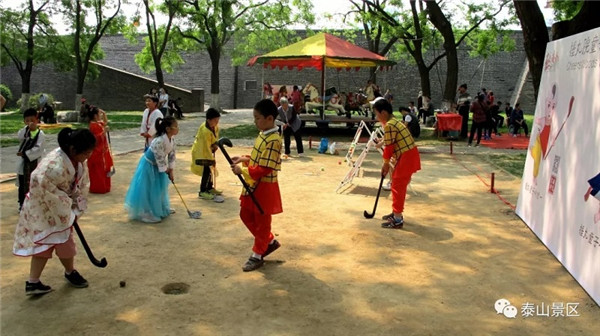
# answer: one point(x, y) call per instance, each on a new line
point(322, 49)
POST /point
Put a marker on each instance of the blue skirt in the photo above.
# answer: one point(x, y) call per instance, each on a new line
point(147, 198)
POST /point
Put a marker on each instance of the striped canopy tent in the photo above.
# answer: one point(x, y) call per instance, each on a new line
point(322, 51)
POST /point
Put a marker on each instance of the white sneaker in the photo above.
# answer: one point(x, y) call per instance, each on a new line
point(300, 154)
point(388, 186)
point(149, 219)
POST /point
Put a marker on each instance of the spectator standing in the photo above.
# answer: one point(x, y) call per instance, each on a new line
point(163, 101)
point(30, 151)
point(464, 102)
point(291, 126)
point(479, 109)
point(149, 117)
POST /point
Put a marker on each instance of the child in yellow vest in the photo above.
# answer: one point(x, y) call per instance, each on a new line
point(203, 158)
point(260, 171)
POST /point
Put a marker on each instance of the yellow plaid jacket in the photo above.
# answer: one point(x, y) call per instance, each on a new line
point(266, 153)
point(397, 135)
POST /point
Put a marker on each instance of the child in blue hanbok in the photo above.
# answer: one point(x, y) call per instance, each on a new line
point(147, 199)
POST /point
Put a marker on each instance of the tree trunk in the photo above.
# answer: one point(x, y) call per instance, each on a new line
point(77, 102)
point(160, 78)
point(439, 20)
point(586, 19)
point(535, 37)
point(215, 58)
point(25, 101)
point(425, 83)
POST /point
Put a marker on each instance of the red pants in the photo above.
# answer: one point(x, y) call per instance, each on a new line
point(260, 227)
point(399, 184)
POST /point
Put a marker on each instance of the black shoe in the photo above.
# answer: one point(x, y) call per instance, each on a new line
point(388, 216)
point(36, 288)
point(271, 248)
point(76, 279)
point(252, 264)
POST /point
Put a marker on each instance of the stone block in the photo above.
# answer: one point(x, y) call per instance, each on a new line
point(67, 116)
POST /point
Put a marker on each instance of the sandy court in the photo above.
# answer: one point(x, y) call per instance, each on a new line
point(336, 273)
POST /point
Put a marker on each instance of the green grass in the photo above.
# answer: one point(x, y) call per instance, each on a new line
point(239, 132)
point(11, 123)
point(512, 163)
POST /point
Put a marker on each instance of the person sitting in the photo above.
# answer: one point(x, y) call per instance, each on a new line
point(315, 100)
point(508, 111)
point(518, 121)
point(296, 98)
point(411, 121)
point(46, 112)
point(334, 103)
point(282, 93)
point(496, 117)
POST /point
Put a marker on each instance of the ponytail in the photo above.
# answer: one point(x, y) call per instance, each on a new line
point(161, 125)
point(77, 141)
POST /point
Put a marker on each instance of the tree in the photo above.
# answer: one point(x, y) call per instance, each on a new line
point(443, 25)
point(535, 38)
point(586, 17)
point(412, 29)
point(213, 23)
point(575, 16)
point(160, 49)
point(89, 24)
point(380, 39)
point(24, 34)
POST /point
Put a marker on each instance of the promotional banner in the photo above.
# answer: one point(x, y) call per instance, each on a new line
point(560, 198)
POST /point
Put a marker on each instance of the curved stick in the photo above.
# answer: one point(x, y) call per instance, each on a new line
point(98, 263)
point(370, 215)
point(226, 142)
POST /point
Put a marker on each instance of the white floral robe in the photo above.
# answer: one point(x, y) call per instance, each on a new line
point(57, 195)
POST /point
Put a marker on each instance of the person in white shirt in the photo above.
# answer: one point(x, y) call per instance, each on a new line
point(163, 101)
point(151, 113)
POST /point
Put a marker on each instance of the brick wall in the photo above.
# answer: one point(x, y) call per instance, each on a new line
point(122, 83)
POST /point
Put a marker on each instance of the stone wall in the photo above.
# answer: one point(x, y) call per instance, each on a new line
point(124, 83)
point(114, 89)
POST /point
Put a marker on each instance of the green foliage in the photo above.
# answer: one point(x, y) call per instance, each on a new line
point(213, 23)
point(6, 92)
point(566, 9)
point(88, 21)
point(27, 34)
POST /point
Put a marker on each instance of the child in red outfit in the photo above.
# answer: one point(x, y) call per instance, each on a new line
point(399, 146)
point(260, 171)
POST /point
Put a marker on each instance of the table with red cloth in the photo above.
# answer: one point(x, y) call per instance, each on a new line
point(449, 122)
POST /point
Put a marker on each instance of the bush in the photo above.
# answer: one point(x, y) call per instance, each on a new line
point(6, 93)
point(34, 100)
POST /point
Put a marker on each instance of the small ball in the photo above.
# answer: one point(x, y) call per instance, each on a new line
point(122, 283)
point(339, 162)
point(322, 168)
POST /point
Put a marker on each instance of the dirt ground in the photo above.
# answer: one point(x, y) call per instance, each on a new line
point(336, 273)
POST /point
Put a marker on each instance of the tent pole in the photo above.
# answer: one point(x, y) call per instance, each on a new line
point(262, 82)
point(323, 86)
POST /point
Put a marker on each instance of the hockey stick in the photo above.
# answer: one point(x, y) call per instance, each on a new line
point(192, 214)
point(226, 142)
point(561, 126)
point(98, 263)
point(112, 169)
point(370, 215)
